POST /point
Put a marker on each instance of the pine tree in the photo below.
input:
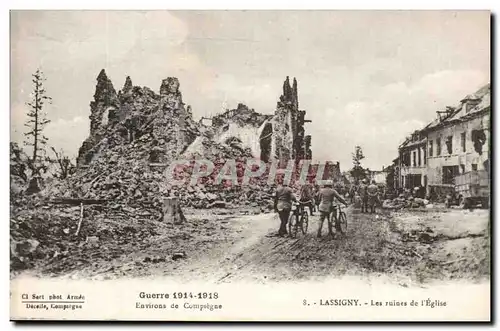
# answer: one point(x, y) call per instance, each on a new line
point(357, 171)
point(357, 156)
point(37, 120)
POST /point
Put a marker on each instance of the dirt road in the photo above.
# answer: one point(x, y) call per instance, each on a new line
point(408, 247)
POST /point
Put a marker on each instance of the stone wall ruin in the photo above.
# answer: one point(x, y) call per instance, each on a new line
point(134, 112)
point(290, 140)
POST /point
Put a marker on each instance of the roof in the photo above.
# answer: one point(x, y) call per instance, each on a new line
point(470, 97)
point(457, 115)
point(406, 142)
point(418, 142)
point(413, 140)
point(482, 95)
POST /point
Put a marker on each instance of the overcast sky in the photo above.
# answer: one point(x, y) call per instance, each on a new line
point(364, 78)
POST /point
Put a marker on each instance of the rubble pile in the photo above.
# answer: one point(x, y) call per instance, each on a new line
point(136, 133)
point(124, 159)
point(403, 201)
point(134, 136)
point(205, 197)
point(18, 171)
point(48, 238)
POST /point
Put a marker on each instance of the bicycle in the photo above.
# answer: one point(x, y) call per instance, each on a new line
point(298, 219)
point(339, 215)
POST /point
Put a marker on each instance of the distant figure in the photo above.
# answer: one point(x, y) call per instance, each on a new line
point(326, 198)
point(316, 190)
point(363, 195)
point(372, 194)
point(432, 194)
point(283, 205)
point(352, 192)
point(421, 192)
point(306, 196)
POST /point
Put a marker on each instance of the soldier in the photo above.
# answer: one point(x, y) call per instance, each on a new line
point(352, 192)
point(363, 195)
point(327, 197)
point(307, 196)
point(372, 195)
point(283, 205)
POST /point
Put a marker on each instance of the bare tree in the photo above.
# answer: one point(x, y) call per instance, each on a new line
point(37, 119)
point(64, 165)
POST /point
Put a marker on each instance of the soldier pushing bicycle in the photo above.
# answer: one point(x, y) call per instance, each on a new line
point(326, 198)
point(294, 216)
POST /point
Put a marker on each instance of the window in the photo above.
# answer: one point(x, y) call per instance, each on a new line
point(478, 138)
point(405, 159)
point(419, 157)
point(462, 168)
point(474, 167)
point(449, 144)
point(438, 146)
point(425, 156)
point(449, 173)
point(414, 159)
point(462, 141)
point(430, 148)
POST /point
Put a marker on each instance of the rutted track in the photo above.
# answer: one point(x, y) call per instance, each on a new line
point(370, 248)
point(407, 247)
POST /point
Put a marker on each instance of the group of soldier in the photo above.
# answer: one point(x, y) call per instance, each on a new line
point(325, 200)
point(309, 196)
point(368, 194)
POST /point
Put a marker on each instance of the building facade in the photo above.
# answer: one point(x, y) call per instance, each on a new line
point(413, 161)
point(456, 142)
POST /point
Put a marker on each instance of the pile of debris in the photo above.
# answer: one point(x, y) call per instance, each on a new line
point(134, 135)
point(404, 201)
point(205, 197)
point(19, 171)
point(54, 239)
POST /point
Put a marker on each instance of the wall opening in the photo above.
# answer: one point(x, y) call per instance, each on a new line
point(412, 181)
point(265, 141)
point(479, 139)
point(106, 115)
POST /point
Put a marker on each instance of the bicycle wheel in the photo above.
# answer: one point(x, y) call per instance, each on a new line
point(343, 222)
point(292, 225)
point(304, 224)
